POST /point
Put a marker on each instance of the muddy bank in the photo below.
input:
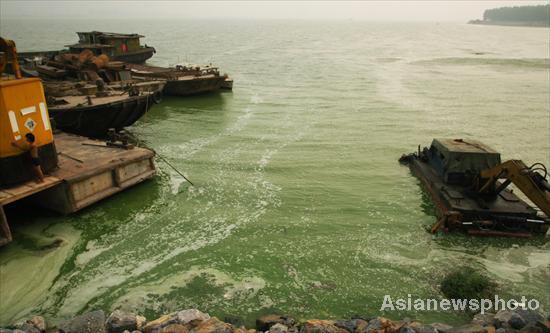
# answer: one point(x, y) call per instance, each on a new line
point(195, 321)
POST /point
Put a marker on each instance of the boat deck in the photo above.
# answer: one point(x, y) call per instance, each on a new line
point(11, 194)
point(455, 199)
point(88, 171)
point(73, 101)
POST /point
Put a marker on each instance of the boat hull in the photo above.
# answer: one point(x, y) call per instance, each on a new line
point(227, 84)
point(136, 57)
point(133, 57)
point(96, 120)
point(195, 86)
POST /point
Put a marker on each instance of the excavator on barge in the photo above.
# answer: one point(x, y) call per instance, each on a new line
point(469, 186)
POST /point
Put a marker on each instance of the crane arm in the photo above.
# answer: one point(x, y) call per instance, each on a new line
point(8, 49)
point(530, 182)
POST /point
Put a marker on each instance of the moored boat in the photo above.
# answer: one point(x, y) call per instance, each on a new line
point(227, 84)
point(93, 116)
point(121, 47)
point(181, 80)
point(193, 85)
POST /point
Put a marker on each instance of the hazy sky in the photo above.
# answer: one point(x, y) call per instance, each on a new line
point(457, 10)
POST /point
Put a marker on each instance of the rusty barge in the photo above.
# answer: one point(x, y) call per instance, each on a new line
point(183, 80)
point(117, 46)
point(61, 172)
point(89, 94)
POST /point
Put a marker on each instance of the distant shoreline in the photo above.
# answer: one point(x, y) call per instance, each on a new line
point(511, 23)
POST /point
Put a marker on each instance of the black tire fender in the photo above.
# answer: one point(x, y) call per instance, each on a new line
point(157, 96)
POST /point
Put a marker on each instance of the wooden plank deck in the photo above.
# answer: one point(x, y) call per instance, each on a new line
point(77, 161)
point(88, 171)
point(14, 193)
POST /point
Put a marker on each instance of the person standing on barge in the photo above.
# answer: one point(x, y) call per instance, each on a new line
point(33, 154)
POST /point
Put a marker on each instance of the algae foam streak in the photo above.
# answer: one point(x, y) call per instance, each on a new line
point(300, 206)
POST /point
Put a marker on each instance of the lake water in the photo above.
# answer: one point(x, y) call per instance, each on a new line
point(299, 204)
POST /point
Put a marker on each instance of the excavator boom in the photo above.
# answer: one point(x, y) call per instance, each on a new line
point(529, 181)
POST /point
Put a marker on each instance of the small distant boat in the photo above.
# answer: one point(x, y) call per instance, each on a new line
point(227, 84)
point(182, 80)
point(93, 116)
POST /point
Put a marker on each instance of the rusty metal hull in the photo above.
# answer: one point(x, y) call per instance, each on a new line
point(133, 57)
point(136, 57)
point(95, 120)
point(502, 215)
point(193, 86)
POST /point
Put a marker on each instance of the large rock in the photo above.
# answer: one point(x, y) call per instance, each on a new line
point(517, 322)
point(91, 322)
point(418, 327)
point(374, 325)
point(351, 324)
point(156, 325)
point(175, 328)
point(534, 318)
point(265, 322)
point(361, 326)
point(191, 316)
point(120, 321)
point(509, 319)
point(26, 327)
point(140, 322)
point(471, 328)
point(243, 330)
point(321, 326)
point(406, 330)
point(545, 325)
point(530, 316)
point(442, 328)
point(379, 325)
point(214, 325)
point(278, 328)
point(38, 322)
point(485, 319)
point(530, 329)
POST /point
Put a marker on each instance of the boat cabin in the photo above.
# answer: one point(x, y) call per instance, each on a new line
point(457, 161)
point(111, 44)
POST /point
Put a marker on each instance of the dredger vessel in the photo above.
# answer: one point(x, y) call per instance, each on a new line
point(469, 186)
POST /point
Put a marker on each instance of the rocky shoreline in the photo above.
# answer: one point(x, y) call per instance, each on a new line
point(195, 321)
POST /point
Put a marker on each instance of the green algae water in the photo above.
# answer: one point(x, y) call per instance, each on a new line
point(299, 204)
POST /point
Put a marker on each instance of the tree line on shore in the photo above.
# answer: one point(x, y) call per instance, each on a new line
point(539, 13)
